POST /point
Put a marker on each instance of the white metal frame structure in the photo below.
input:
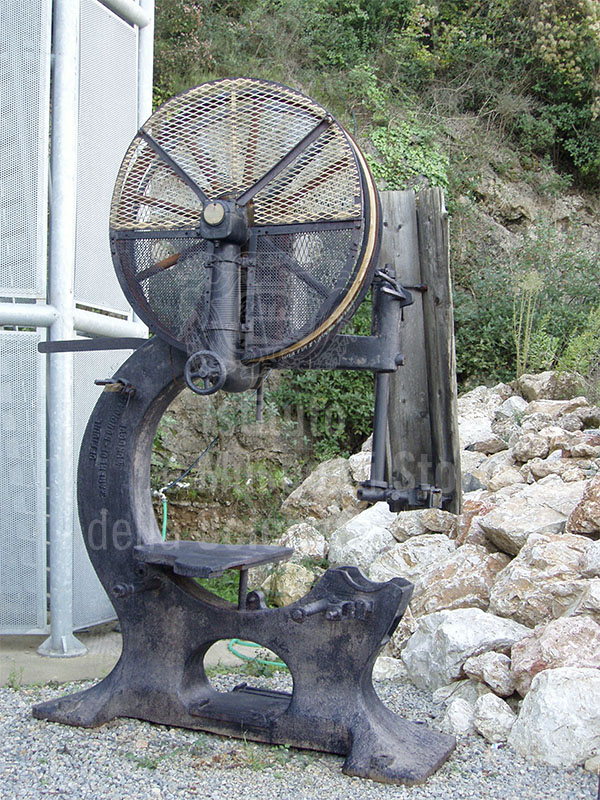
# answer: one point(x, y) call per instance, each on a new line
point(76, 81)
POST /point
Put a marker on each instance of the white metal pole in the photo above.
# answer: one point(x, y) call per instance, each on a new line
point(145, 76)
point(63, 162)
point(145, 63)
point(34, 315)
point(129, 10)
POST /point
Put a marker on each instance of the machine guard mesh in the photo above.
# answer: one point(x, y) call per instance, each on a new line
point(312, 225)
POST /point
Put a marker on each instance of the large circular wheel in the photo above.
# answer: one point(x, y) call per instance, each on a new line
point(303, 186)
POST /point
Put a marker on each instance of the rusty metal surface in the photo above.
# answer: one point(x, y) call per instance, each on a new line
point(209, 559)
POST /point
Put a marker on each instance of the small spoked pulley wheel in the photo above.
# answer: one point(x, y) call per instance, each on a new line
point(205, 372)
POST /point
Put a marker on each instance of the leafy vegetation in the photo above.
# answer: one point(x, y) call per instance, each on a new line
point(403, 76)
point(407, 155)
point(226, 586)
point(582, 353)
point(527, 311)
point(333, 407)
point(531, 69)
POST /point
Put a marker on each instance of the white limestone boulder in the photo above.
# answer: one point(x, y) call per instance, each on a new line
point(493, 718)
point(543, 581)
point(327, 492)
point(387, 668)
point(556, 409)
point(411, 559)
point(360, 466)
point(443, 641)
point(408, 524)
point(559, 719)
point(468, 529)
point(461, 579)
point(289, 582)
point(467, 689)
point(564, 642)
point(512, 408)
point(568, 469)
point(473, 430)
point(588, 602)
point(593, 764)
point(473, 477)
point(585, 516)
point(489, 444)
point(457, 719)
point(590, 560)
point(530, 445)
point(542, 507)
point(549, 385)
point(306, 541)
point(363, 538)
point(476, 410)
point(493, 669)
point(509, 476)
point(583, 444)
point(436, 520)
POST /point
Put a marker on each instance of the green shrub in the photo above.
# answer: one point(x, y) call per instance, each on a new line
point(524, 306)
point(582, 353)
point(543, 347)
point(334, 407)
point(485, 348)
point(450, 56)
point(408, 156)
point(489, 342)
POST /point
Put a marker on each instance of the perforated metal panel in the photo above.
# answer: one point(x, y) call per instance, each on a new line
point(107, 122)
point(23, 484)
point(24, 109)
point(90, 602)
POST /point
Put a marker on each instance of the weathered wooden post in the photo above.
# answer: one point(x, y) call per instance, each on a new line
point(423, 423)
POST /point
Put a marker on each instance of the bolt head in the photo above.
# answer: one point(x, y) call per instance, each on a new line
point(214, 213)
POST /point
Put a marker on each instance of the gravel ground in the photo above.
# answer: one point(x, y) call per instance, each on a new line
point(133, 760)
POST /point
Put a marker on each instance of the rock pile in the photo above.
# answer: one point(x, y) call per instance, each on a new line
point(504, 623)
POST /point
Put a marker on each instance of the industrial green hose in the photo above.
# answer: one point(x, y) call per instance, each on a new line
point(164, 519)
point(244, 657)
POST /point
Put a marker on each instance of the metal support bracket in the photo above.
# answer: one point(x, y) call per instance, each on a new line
point(402, 499)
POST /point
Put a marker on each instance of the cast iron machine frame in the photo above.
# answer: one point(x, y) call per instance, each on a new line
point(330, 638)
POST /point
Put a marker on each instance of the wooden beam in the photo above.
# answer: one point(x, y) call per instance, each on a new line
point(434, 255)
point(423, 422)
point(410, 435)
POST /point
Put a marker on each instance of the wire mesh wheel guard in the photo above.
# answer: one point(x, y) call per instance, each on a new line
point(309, 203)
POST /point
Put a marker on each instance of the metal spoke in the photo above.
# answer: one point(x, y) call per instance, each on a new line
point(165, 205)
point(179, 171)
point(299, 271)
point(173, 259)
point(314, 184)
point(309, 227)
point(133, 233)
point(310, 137)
